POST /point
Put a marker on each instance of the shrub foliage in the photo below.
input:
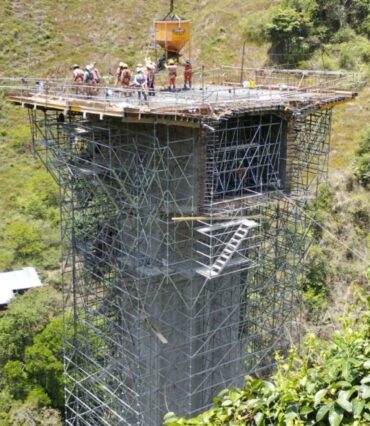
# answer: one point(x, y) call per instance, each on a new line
point(328, 384)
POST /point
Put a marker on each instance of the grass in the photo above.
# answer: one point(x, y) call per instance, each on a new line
point(349, 119)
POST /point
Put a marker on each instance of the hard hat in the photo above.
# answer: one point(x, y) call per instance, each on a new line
point(121, 64)
point(171, 61)
point(124, 65)
point(75, 66)
point(139, 65)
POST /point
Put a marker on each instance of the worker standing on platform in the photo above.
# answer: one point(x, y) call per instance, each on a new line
point(119, 73)
point(188, 74)
point(150, 77)
point(89, 79)
point(124, 76)
point(78, 74)
point(140, 83)
point(172, 74)
point(96, 73)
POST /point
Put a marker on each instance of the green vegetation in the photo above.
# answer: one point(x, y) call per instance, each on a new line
point(362, 165)
point(31, 367)
point(330, 34)
point(328, 383)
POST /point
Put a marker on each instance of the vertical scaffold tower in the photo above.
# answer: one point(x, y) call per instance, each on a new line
point(184, 236)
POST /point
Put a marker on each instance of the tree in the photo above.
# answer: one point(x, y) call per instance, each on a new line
point(287, 32)
point(26, 316)
point(362, 164)
point(44, 361)
point(328, 384)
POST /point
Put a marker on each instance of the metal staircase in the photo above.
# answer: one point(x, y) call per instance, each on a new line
point(230, 248)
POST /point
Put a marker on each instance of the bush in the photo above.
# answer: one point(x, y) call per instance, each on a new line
point(347, 59)
point(362, 163)
point(329, 384)
point(287, 33)
point(315, 282)
point(44, 361)
point(25, 240)
point(362, 170)
point(26, 316)
point(254, 26)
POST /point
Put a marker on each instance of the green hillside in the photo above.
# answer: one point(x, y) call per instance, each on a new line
point(45, 37)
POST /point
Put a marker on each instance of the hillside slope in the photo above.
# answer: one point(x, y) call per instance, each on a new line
point(47, 37)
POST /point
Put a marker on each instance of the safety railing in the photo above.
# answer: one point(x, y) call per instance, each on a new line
point(219, 86)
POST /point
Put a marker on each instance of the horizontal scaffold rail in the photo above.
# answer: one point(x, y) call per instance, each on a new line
point(214, 93)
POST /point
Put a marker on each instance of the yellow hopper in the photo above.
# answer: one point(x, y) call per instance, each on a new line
point(172, 34)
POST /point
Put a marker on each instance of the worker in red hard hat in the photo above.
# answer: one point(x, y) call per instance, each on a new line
point(188, 74)
point(172, 74)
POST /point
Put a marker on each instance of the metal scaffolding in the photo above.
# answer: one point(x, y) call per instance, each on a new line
point(183, 246)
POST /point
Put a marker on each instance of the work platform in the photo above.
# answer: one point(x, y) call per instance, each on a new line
point(215, 93)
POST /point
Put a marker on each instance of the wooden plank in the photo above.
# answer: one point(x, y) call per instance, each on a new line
point(213, 218)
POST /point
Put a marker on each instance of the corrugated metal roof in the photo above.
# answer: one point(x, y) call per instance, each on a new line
point(17, 280)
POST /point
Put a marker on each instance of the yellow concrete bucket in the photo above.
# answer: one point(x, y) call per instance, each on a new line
point(172, 35)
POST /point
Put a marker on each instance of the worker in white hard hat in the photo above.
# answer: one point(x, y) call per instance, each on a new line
point(78, 77)
point(119, 71)
point(78, 74)
point(140, 83)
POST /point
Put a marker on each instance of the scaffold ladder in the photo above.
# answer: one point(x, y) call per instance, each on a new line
point(230, 248)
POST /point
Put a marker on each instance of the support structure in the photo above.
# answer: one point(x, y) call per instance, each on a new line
point(184, 237)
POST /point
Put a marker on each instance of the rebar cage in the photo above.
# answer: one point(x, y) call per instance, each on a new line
point(183, 247)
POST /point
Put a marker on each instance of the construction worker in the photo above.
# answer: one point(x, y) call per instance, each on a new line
point(88, 75)
point(124, 76)
point(172, 74)
point(89, 79)
point(140, 83)
point(78, 77)
point(188, 73)
point(150, 77)
point(140, 66)
point(119, 73)
point(95, 72)
point(78, 74)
